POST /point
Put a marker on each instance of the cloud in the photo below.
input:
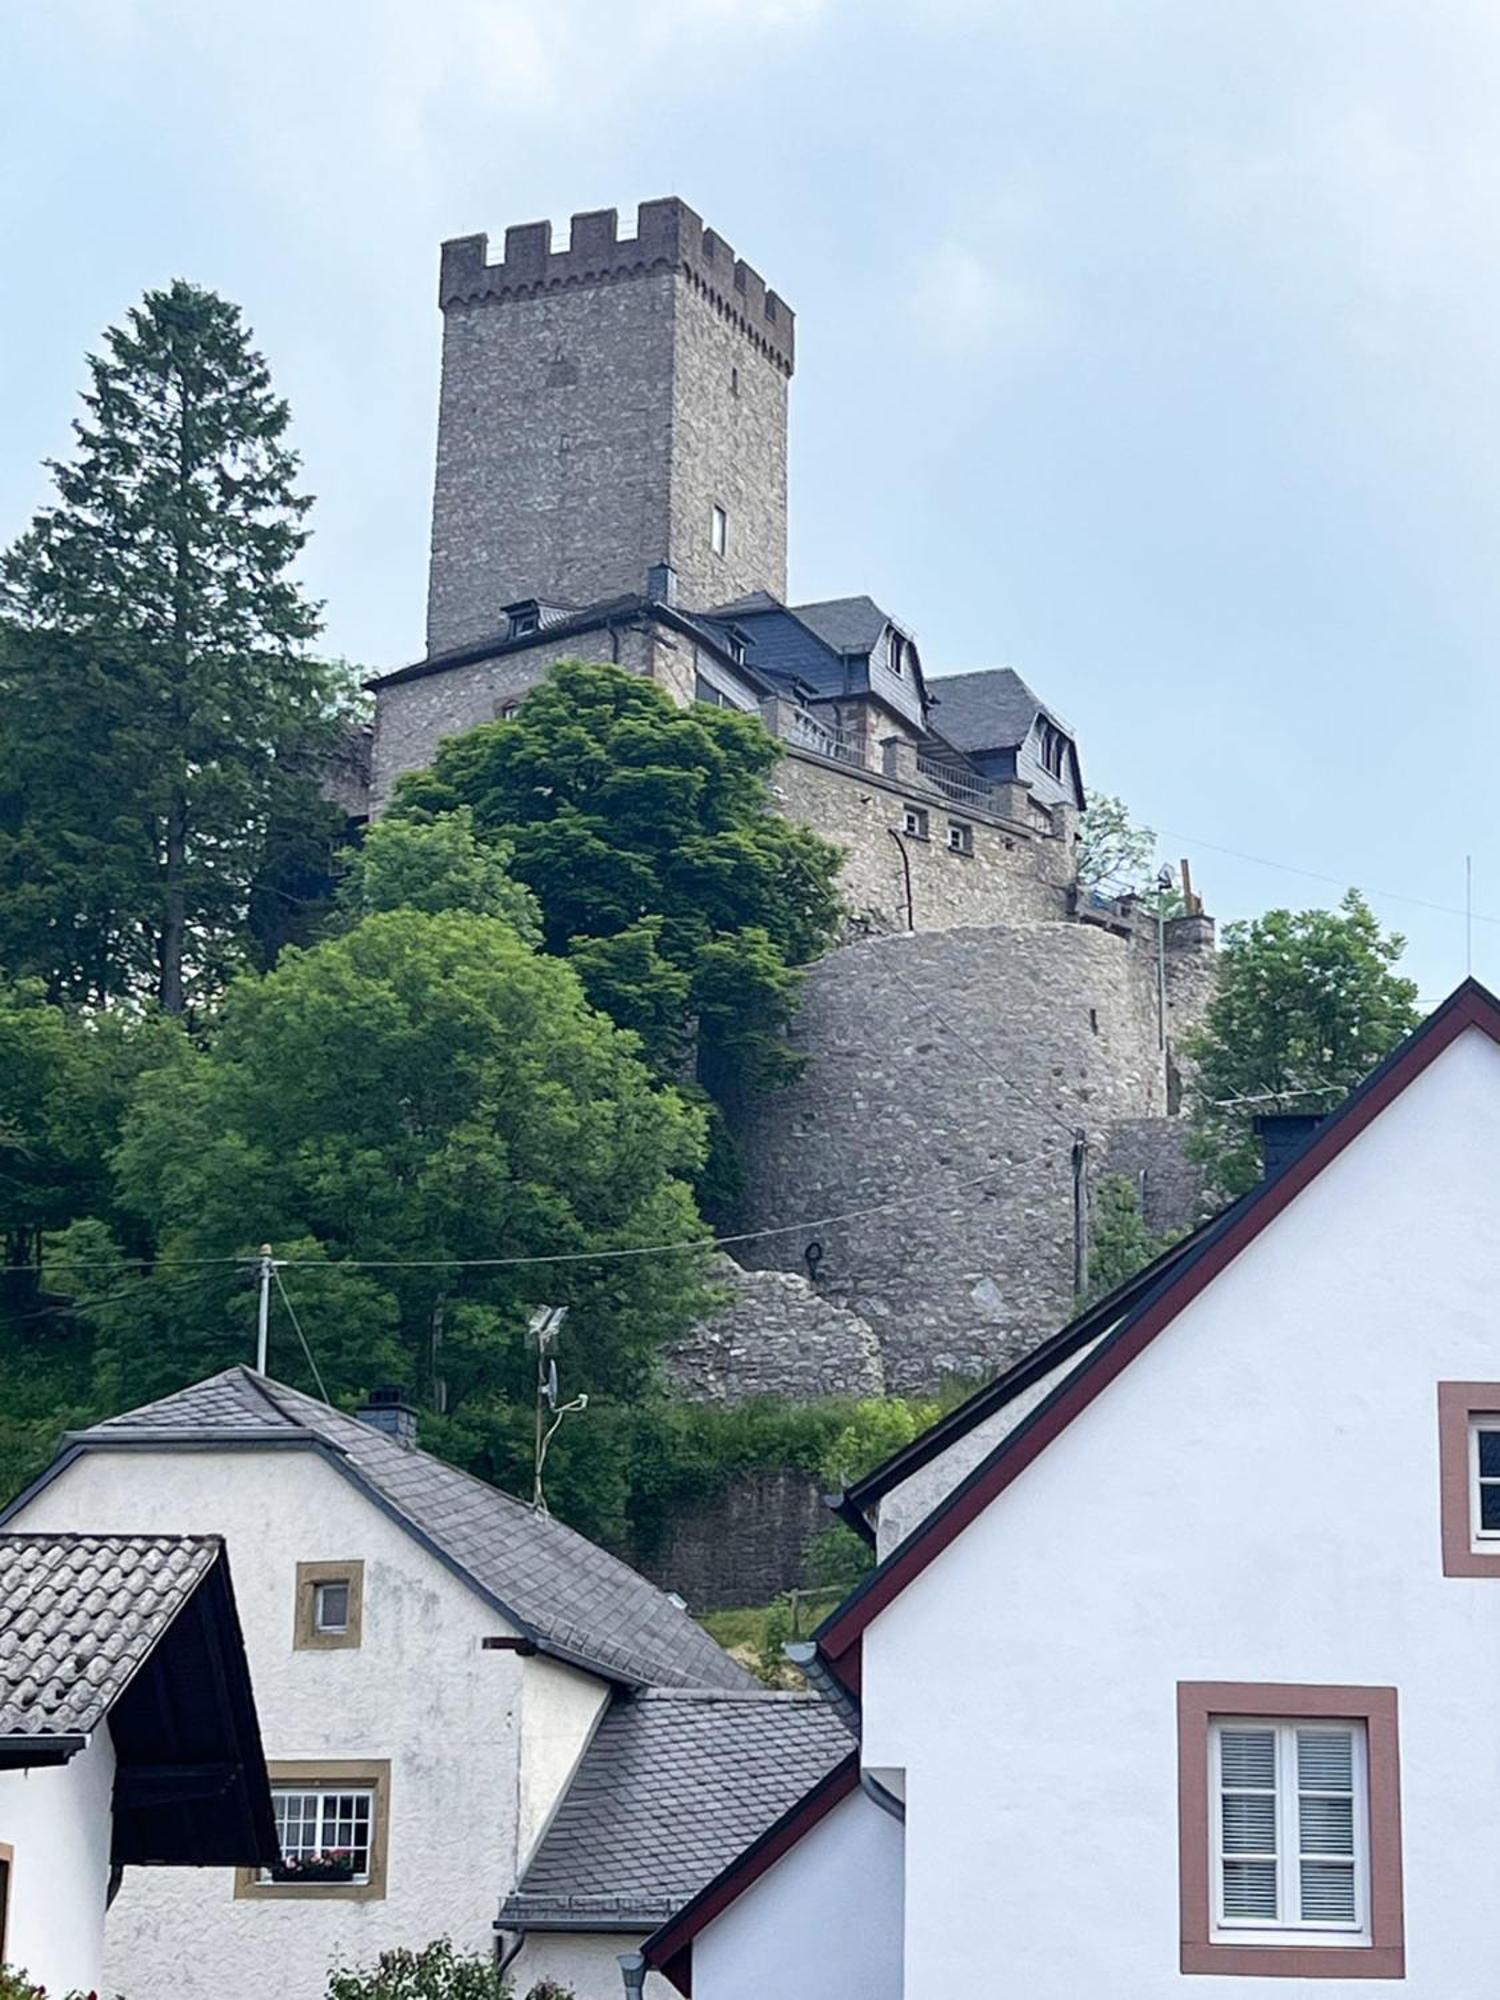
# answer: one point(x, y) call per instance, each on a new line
point(968, 304)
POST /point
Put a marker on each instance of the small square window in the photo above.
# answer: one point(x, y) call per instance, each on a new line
point(914, 822)
point(960, 837)
point(507, 710)
point(330, 1606)
point(718, 531)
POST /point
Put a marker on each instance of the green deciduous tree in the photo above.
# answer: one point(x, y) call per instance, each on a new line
point(161, 719)
point(645, 833)
point(424, 1087)
point(1307, 1002)
point(1120, 1244)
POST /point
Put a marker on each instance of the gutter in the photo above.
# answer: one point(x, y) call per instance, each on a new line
point(27, 1753)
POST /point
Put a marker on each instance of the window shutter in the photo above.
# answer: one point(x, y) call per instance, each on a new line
point(1247, 1781)
point(1325, 1820)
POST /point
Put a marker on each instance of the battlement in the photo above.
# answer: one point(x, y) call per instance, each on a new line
point(669, 236)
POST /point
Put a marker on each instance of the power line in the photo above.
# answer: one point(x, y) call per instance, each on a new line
point(292, 1313)
point(1336, 881)
point(72, 1307)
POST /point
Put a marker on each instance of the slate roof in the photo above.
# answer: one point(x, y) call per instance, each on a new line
point(992, 710)
point(572, 1597)
point(848, 624)
point(80, 1614)
point(671, 1788)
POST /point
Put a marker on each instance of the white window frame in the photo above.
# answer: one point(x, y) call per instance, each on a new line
point(960, 837)
point(914, 822)
point(718, 530)
point(1287, 1929)
point(328, 1794)
point(321, 1624)
point(1478, 1533)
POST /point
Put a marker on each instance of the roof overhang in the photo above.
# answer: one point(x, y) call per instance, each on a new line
point(34, 1753)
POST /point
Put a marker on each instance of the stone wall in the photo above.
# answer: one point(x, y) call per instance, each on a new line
point(949, 1075)
point(746, 1546)
point(413, 715)
point(1152, 1152)
point(776, 1335)
point(1015, 874)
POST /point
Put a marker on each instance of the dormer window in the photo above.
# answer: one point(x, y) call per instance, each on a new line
point(1054, 750)
point(523, 619)
point(898, 654)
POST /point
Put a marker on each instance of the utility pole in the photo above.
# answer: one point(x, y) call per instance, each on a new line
point(267, 1266)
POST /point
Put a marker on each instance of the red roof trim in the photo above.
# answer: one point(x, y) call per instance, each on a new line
point(1472, 1006)
point(670, 1950)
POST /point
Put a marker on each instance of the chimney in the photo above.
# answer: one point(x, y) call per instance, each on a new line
point(389, 1412)
point(1281, 1134)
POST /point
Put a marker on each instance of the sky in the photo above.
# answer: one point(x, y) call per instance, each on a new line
point(1145, 346)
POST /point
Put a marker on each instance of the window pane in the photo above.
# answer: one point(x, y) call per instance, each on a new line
point(1327, 1826)
point(1247, 1759)
point(1489, 1505)
point(331, 1607)
point(1250, 1889)
point(1327, 1892)
point(1250, 1823)
point(1325, 1760)
point(1489, 1454)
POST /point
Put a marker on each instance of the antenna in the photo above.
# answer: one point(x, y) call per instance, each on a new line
point(267, 1270)
point(542, 1332)
point(1468, 915)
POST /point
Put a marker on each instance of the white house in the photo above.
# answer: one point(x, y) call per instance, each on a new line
point(127, 1735)
point(434, 1665)
point(1190, 1677)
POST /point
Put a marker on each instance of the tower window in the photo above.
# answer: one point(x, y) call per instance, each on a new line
point(734, 381)
point(718, 531)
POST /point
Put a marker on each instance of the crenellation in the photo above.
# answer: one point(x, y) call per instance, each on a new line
point(669, 235)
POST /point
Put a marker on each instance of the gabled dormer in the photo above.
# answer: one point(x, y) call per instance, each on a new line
point(844, 649)
point(1007, 731)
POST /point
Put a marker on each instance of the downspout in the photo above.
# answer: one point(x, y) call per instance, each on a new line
point(504, 1959)
point(872, 1788)
point(911, 915)
point(632, 1966)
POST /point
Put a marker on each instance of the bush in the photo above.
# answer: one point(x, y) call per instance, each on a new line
point(17, 1984)
point(437, 1972)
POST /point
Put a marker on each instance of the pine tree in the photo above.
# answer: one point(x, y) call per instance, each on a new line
point(160, 716)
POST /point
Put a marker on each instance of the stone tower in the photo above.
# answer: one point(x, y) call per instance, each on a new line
point(606, 408)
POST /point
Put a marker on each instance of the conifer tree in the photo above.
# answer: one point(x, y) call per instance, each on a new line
point(160, 715)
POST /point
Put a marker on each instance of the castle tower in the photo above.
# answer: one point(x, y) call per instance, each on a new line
point(606, 408)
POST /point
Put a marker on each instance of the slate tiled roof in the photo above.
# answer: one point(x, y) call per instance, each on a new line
point(571, 1595)
point(673, 1786)
point(79, 1614)
point(848, 624)
point(992, 710)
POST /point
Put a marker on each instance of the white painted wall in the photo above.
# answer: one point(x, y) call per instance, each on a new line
point(589, 1964)
point(418, 1690)
point(1256, 1498)
point(906, 1506)
point(59, 1823)
point(559, 1710)
point(823, 1924)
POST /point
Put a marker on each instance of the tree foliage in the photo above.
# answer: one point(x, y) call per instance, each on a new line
point(1115, 854)
point(1306, 1003)
point(161, 721)
point(423, 1088)
point(1120, 1244)
point(644, 831)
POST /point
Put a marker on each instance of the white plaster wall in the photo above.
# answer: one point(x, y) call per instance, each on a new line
point(908, 1504)
point(587, 1964)
point(418, 1691)
point(1255, 1498)
point(559, 1710)
point(59, 1823)
point(823, 1924)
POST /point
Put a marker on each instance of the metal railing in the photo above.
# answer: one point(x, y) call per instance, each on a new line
point(957, 782)
point(823, 738)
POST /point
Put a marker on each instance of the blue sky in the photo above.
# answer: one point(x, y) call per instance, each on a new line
point(1146, 346)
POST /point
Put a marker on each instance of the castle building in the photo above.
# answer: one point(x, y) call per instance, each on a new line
point(611, 484)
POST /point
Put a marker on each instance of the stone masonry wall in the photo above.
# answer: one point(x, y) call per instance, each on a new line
point(413, 716)
point(776, 1335)
point(1012, 876)
point(948, 1073)
point(553, 452)
point(744, 1547)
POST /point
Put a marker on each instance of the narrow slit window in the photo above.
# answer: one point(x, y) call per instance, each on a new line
point(718, 531)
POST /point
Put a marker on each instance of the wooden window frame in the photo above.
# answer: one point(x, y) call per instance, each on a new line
point(1202, 1703)
point(323, 1774)
point(306, 1637)
point(1460, 1404)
